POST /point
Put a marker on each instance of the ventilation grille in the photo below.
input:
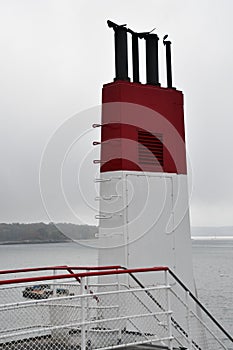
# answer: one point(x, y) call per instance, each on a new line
point(150, 148)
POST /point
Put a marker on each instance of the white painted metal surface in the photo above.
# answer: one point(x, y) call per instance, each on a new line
point(144, 221)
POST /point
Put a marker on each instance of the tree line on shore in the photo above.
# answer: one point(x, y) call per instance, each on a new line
point(41, 232)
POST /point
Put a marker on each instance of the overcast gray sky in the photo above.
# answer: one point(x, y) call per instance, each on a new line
point(55, 57)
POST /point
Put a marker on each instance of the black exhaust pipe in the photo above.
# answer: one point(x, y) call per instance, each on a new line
point(168, 61)
point(152, 59)
point(121, 51)
point(135, 56)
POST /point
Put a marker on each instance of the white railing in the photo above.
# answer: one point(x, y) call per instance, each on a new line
point(75, 311)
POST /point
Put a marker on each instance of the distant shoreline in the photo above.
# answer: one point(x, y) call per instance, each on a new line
point(41, 233)
point(212, 238)
point(33, 242)
point(193, 238)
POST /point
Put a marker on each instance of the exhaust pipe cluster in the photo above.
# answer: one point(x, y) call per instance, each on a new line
point(152, 60)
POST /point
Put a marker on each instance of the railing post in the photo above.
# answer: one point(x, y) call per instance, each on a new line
point(188, 319)
point(169, 317)
point(83, 330)
point(88, 306)
point(119, 308)
point(54, 281)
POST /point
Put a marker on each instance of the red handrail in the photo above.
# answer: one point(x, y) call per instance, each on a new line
point(82, 274)
point(63, 267)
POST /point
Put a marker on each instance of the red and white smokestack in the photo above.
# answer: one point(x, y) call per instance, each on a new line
point(144, 217)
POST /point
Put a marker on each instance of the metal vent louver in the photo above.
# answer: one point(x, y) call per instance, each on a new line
point(150, 148)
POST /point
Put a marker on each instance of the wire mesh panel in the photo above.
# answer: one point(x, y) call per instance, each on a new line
point(25, 310)
point(96, 320)
point(37, 291)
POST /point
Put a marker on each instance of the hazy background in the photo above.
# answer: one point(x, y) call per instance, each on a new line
point(55, 57)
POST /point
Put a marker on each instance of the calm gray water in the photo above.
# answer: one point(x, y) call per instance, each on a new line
point(212, 260)
point(213, 271)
